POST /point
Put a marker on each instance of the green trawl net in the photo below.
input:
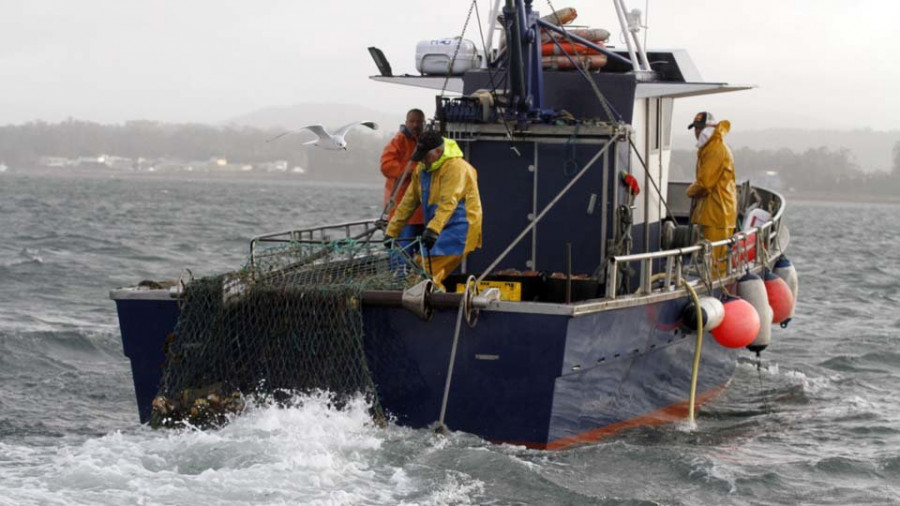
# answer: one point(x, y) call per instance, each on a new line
point(291, 322)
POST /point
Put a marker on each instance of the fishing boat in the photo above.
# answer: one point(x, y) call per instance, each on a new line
point(579, 315)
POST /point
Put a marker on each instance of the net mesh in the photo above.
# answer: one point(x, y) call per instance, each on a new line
point(289, 322)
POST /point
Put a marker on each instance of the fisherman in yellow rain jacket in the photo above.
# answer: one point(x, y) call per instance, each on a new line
point(714, 191)
point(447, 186)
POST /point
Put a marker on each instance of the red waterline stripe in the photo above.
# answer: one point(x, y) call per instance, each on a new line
point(668, 414)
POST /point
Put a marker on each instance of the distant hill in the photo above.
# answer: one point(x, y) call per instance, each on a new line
point(360, 163)
point(330, 115)
point(871, 149)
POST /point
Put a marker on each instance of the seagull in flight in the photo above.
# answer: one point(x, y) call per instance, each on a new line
point(334, 142)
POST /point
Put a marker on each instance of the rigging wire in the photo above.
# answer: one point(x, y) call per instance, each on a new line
point(484, 48)
point(456, 51)
point(762, 389)
point(607, 108)
point(650, 177)
point(570, 165)
point(442, 427)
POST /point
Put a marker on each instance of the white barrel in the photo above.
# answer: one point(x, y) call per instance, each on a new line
point(433, 56)
point(712, 310)
point(755, 218)
point(752, 289)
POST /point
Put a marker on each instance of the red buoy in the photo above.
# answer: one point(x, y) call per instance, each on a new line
point(780, 297)
point(740, 325)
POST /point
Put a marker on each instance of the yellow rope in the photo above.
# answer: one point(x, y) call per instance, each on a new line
point(696, 367)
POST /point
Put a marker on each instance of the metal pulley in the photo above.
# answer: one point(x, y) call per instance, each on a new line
point(679, 236)
point(416, 299)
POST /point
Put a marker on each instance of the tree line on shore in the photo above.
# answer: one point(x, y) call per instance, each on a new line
point(822, 169)
point(815, 170)
point(23, 146)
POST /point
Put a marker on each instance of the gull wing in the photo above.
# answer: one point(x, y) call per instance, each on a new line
point(316, 129)
point(344, 129)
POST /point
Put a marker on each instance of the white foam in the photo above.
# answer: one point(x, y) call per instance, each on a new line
point(714, 470)
point(811, 385)
point(311, 454)
point(457, 489)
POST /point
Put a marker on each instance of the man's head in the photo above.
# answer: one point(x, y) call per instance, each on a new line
point(701, 121)
point(415, 121)
point(429, 148)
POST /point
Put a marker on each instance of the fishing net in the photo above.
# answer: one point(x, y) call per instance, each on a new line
point(290, 322)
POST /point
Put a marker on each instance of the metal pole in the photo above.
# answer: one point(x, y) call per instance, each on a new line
point(646, 175)
point(568, 272)
point(392, 200)
point(612, 271)
point(534, 209)
point(622, 24)
point(645, 63)
point(492, 16)
point(604, 209)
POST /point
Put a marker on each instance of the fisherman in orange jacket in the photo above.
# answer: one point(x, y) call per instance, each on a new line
point(715, 190)
point(394, 161)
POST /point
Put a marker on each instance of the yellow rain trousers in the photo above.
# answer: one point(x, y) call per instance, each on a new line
point(439, 267)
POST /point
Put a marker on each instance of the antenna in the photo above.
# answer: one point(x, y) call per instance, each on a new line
point(630, 23)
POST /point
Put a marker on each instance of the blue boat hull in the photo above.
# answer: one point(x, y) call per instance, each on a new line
point(542, 380)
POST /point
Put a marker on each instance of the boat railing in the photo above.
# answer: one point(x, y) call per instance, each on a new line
point(766, 241)
point(359, 231)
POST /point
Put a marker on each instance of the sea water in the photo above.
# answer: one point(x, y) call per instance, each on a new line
point(817, 423)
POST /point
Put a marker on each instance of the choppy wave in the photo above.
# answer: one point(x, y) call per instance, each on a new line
point(311, 454)
point(816, 424)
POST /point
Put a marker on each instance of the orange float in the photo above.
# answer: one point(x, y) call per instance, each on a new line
point(739, 325)
point(780, 297)
point(590, 62)
point(591, 34)
point(561, 17)
point(563, 47)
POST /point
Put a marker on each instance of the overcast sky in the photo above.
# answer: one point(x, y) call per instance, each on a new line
point(818, 63)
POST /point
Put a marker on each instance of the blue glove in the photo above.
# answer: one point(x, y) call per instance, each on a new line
point(429, 238)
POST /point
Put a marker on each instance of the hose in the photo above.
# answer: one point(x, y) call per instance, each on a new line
point(653, 279)
point(695, 369)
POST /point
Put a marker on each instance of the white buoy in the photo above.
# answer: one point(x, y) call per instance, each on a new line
point(751, 288)
point(785, 270)
point(713, 313)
